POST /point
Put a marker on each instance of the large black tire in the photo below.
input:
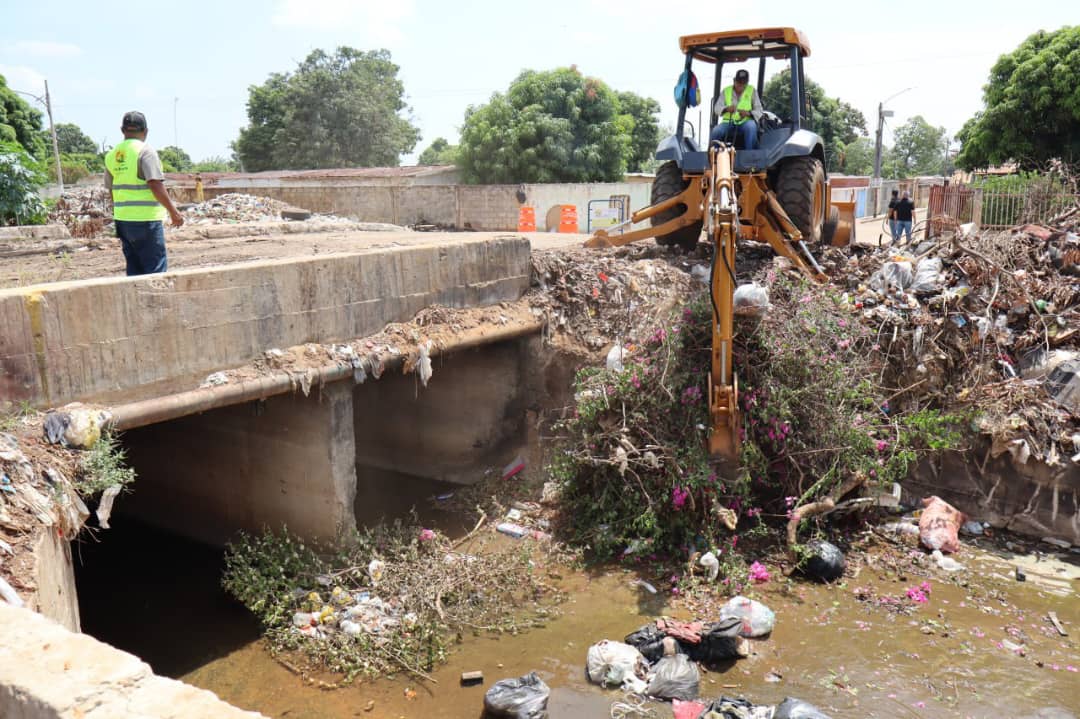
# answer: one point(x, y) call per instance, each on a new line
point(800, 187)
point(669, 182)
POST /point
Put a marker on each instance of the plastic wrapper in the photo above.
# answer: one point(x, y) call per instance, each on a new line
point(719, 641)
point(675, 677)
point(522, 698)
point(792, 708)
point(927, 278)
point(892, 276)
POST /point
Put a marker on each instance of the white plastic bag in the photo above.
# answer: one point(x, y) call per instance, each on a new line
point(711, 564)
point(615, 664)
point(927, 276)
point(892, 276)
point(751, 300)
point(757, 619)
point(615, 358)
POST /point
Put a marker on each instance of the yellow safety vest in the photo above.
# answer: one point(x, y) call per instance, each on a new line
point(746, 102)
point(132, 199)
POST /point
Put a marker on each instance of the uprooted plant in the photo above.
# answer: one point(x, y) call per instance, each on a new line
point(635, 475)
point(384, 600)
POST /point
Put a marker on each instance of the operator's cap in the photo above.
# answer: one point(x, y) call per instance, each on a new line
point(742, 76)
point(133, 120)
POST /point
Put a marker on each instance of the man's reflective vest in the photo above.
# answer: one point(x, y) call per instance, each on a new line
point(132, 198)
point(746, 102)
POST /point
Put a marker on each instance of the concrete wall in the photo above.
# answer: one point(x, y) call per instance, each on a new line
point(99, 339)
point(56, 597)
point(47, 672)
point(476, 207)
point(471, 412)
point(286, 461)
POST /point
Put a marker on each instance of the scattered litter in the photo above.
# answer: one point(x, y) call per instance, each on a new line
point(215, 379)
point(644, 585)
point(424, 364)
point(946, 563)
point(1054, 541)
point(1052, 616)
point(711, 564)
point(674, 677)
point(615, 358)
point(469, 679)
point(9, 595)
point(975, 529)
point(522, 698)
point(513, 468)
point(104, 510)
point(750, 300)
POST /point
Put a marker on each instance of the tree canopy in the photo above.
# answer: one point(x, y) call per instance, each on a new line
point(336, 110)
point(557, 126)
point(838, 123)
point(918, 149)
point(214, 164)
point(439, 152)
point(72, 140)
point(174, 159)
point(1031, 103)
point(20, 122)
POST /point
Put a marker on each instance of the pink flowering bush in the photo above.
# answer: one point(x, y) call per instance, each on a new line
point(758, 572)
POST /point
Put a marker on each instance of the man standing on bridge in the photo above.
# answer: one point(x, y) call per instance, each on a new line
point(134, 176)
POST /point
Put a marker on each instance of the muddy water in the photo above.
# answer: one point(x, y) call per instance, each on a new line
point(158, 596)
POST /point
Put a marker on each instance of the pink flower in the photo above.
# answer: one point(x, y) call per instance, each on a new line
point(925, 587)
point(882, 445)
point(920, 705)
point(790, 501)
point(679, 497)
point(916, 595)
point(426, 535)
point(1070, 668)
point(758, 572)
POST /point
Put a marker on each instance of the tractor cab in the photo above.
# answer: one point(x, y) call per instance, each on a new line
point(778, 137)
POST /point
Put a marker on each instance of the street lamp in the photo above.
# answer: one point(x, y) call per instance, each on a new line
point(47, 102)
point(882, 113)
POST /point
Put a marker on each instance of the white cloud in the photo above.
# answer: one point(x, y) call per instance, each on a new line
point(379, 18)
point(44, 48)
point(26, 79)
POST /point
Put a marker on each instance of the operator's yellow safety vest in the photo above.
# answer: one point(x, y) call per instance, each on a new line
point(132, 199)
point(746, 102)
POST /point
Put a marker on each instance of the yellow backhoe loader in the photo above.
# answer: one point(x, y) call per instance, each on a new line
point(776, 193)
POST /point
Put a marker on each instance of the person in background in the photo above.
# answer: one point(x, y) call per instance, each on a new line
point(892, 215)
point(739, 108)
point(135, 179)
point(905, 216)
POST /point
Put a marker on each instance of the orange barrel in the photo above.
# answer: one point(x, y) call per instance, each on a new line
point(568, 219)
point(526, 219)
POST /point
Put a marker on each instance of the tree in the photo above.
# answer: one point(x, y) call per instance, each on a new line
point(20, 123)
point(918, 149)
point(174, 159)
point(333, 111)
point(857, 157)
point(1031, 110)
point(646, 133)
point(214, 164)
point(838, 123)
point(439, 152)
point(72, 140)
point(552, 126)
point(19, 183)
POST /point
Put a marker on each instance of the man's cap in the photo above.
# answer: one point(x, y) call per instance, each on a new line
point(742, 76)
point(133, 120)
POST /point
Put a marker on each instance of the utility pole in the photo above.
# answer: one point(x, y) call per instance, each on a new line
point(882, 113)
point(55, 144)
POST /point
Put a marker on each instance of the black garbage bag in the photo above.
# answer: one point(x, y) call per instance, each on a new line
point(792, 708)
point(822, 561)
point(522, 698)
point(675, 677)
point(719, 641)
point(649, 641)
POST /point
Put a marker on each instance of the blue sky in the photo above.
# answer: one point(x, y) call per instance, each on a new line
point(199, 58)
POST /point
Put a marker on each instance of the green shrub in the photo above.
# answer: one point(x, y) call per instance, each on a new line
point(19, 183)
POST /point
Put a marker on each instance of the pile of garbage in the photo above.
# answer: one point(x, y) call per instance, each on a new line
point(85, 210)
point(594, 298)
point(235, 207)
point(985, 320)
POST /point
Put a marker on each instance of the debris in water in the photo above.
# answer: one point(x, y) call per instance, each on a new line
point(513, 468)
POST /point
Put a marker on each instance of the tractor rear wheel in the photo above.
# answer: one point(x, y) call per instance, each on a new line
point(800, 187)
point(669, 183)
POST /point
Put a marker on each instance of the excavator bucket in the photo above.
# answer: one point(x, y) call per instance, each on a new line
point(844, 234)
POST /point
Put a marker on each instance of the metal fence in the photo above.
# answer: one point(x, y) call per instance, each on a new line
point(1002, 210)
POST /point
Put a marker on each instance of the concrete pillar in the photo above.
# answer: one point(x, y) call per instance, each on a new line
point(286, 461)
point(55, 574)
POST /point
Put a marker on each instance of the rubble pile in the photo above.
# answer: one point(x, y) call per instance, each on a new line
point(986, 321)
point(86, 211)
point(238, 207)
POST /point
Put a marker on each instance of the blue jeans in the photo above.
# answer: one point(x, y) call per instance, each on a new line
point(903, 227)
point(894, 231)
point(144, 246)
point(748, 131)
